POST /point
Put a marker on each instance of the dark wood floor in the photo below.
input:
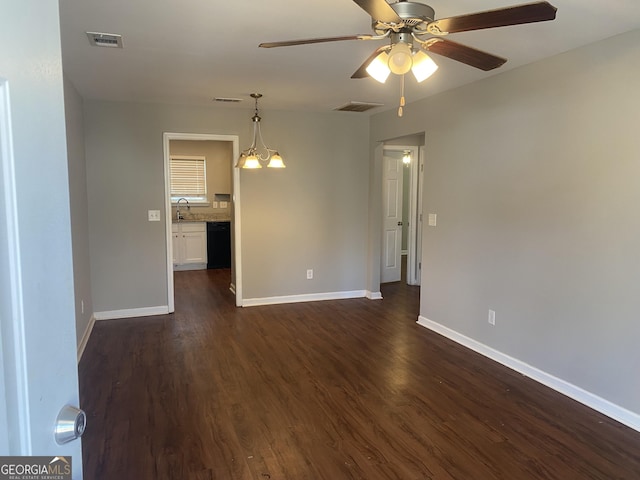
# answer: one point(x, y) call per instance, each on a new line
point(350, 389)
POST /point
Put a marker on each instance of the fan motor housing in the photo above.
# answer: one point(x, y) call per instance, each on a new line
point(414, 11)
point(415, 17)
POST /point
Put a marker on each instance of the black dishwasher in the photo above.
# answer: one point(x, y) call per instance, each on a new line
point(218, 244)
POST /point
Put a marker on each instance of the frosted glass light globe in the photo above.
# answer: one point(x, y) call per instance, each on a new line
point(400, 60)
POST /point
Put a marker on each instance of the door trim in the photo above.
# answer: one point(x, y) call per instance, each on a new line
point(236, 286)
point(414, 258)
point(13, 373)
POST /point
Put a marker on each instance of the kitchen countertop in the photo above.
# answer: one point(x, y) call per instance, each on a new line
point(203, 217)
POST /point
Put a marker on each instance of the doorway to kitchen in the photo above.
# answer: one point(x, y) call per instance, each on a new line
point(218, 204)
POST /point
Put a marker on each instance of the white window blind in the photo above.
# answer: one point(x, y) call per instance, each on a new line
point(188, 177)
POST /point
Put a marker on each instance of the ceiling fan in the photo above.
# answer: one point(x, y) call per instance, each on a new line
point(413, 30)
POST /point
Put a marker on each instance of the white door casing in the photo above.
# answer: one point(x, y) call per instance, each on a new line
point(414, 258)
point(236, 261)
point(390, 270)
point(13, 402)
point(414, 190)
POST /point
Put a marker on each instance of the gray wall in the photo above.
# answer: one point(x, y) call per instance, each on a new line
point(534, 176)
point(79, 208)
point(313, 214)
point(310, 215)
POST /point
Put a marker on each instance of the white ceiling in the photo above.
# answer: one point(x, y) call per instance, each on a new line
point(189, 51)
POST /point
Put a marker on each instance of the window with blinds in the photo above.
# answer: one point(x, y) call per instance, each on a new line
point(188, 178)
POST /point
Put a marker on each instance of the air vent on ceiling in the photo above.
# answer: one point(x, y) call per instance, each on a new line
point(98, 39)
point(227, 99)
point(357, 107)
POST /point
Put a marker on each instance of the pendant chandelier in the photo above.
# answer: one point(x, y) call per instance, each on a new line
point(257, 154)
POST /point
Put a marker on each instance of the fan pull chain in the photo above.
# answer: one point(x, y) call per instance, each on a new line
point(401, 107)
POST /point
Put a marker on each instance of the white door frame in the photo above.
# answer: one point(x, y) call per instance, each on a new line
point(415, 209)
point(237, 251)
point(417, 182)
point(415, 216)
point(14, 388)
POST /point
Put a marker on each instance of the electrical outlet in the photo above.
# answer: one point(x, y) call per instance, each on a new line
point(492, 317)
point(309, 274)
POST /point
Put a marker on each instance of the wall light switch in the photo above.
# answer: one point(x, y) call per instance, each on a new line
point(223, 204)
point(154, 215)
point(214, 204)
point(433, 219)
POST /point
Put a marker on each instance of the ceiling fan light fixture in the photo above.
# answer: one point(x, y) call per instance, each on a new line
point(378, 69)
point(405, 22)
point(423, 66)
point(400, 58)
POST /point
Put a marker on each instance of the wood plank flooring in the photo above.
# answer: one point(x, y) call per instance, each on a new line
point(349, 389)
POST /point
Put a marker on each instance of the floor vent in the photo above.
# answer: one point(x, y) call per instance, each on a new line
point(358, 107)
point(98, 39)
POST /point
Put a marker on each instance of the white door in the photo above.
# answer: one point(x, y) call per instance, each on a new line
point(38, 351)
point(392, 217)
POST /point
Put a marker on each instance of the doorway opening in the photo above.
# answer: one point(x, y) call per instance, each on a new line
point(402, 167)
point(223, 203)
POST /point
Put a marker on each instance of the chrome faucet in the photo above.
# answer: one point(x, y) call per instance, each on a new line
point(179, 215)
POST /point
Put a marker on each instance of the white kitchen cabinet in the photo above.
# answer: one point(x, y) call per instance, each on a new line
point(189, 245)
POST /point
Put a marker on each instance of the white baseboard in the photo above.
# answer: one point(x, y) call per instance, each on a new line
point(311, 297)
point(85, 337)
point(232, 287)
point(132, 312)
point(374, 295)
point(620, 414)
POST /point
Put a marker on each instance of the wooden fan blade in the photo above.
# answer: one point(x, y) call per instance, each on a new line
point(461, 53)
point(502, 17)
point(379, 10)
point(288, 43)
point(362, 71)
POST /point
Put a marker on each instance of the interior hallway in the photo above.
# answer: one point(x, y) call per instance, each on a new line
point(348, 389)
